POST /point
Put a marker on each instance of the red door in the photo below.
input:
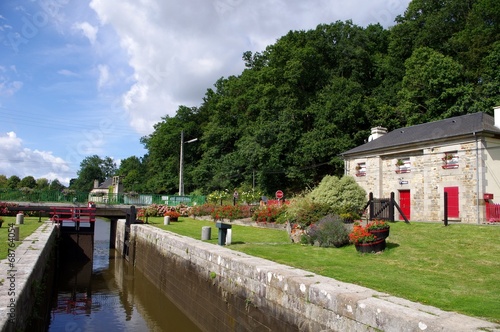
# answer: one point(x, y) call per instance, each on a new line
point(453, 202)
point(404, 203)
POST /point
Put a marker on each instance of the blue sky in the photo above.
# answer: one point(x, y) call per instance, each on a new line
point(79, 78)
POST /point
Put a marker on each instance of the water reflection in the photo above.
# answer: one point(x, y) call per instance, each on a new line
point(107, 294)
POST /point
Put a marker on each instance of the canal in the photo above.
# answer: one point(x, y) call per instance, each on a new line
point(108, 294)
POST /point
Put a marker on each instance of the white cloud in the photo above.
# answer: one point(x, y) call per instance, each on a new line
point(8, 87)
point(103, 75)
point(88, 30)
point(66, 72)
point(21, 161)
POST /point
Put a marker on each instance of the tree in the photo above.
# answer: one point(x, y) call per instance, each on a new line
point(3, 182)
point(432, 86)
point(42, 184)
point(13, 182)
point(93, 168)
point(55, 185)
point(27, 182)
point(163, 145)
point(132, 172)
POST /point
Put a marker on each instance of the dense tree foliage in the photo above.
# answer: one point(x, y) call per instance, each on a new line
point(27, 182)
point(41, 184)
point(93, 168)
point(284, 121)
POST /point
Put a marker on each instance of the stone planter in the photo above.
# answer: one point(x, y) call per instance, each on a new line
point(369, 247)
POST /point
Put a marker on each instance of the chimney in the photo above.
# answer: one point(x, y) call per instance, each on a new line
point(376, 133)
point(496, 113)
point(96, 183)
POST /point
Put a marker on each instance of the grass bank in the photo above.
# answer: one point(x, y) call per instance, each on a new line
point(455, 268)
point(29, 226)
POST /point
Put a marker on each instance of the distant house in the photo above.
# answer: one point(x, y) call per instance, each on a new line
point(459, 156)
point(106, 191)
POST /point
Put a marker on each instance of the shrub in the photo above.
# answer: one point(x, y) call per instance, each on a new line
point(304, 211)
point(231, 212)
point(218, 196)
point(202, 210)
point(172, 214)
point(344, 196)
point(269, 213)
point(330, 231)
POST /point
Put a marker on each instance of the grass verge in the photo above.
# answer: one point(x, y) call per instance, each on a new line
point(455, 268)
point(29, 226)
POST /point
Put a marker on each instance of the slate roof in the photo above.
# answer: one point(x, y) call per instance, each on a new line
point(106, 184)
point(426, 132)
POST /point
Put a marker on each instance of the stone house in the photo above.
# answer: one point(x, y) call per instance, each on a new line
point(459, 156)
point(106, 190)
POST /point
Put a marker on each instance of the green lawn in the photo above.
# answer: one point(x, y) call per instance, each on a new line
point(29, 226)
point(455, 268)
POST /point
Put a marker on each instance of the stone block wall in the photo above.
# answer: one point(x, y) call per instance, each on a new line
point(225, 290)
point(19, 287)
point(427, 180)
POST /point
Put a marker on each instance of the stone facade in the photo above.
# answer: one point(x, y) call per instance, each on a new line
point(425, 176)
point(466, 166)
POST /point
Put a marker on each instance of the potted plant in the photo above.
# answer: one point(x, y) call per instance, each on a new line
point(400, 162)
point(379, 228)
point(364, 241)
point(172, 214)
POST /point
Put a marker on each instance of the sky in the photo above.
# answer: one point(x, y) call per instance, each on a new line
point(82, 78)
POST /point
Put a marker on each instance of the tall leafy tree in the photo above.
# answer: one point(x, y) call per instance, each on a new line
point(56, 185)
point(93, 168)
point(132, 171)
point(27, 182)
point(13, 182)
point(42, 184)
point(163, 145)
point(432, 85)
point(3, 182)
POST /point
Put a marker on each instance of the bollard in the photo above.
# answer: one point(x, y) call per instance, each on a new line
point(206, 233)
point(222, 232)
point(19, 219)
point(228, 236)
point(166, 220)
point(16, 233)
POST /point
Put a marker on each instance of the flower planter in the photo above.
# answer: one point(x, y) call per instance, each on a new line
point(174, 218)
point(380, 233)
point(369, 247)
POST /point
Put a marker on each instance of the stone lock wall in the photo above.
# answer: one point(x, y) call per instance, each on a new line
point(18, 294)
point(225, 290)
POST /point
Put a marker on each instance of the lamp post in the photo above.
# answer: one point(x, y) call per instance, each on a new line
point(181, 168)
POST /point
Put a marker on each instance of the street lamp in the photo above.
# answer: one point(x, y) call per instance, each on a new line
point(181, 168)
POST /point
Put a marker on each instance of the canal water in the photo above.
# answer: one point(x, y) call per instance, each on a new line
point(108, 294)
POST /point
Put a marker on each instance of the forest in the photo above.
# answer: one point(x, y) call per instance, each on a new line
point(283, 122)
